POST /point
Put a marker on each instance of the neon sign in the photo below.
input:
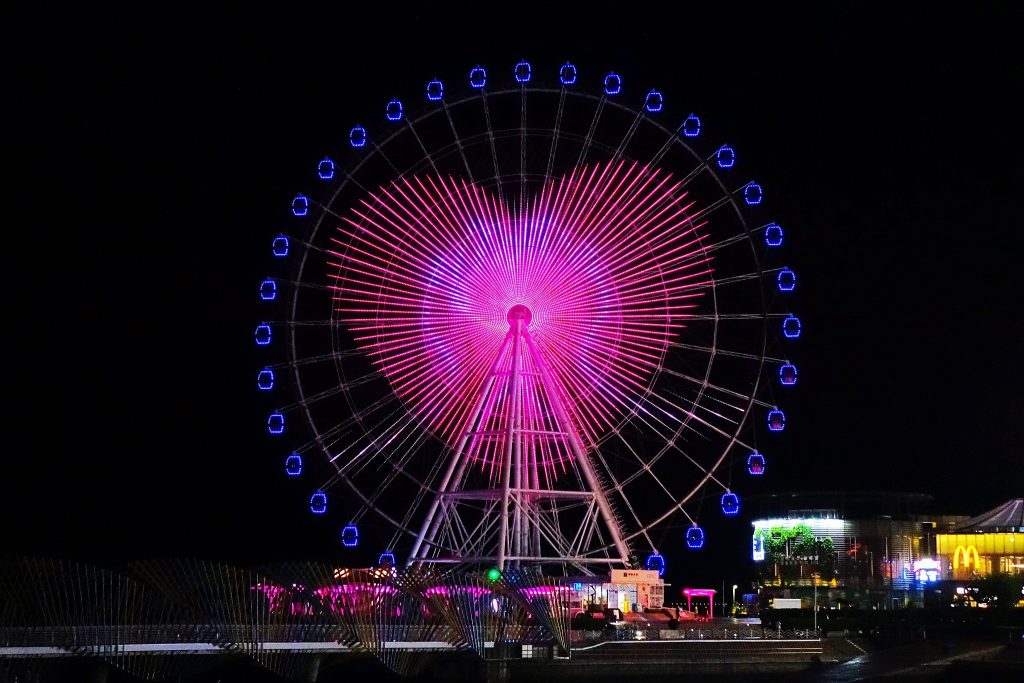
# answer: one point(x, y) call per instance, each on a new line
point(926, 570)
point(967, 553)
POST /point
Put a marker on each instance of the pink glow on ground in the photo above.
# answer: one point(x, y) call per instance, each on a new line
point(426, 271)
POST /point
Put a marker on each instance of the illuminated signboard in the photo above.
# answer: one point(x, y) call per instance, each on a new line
point(926, 570)
point(758, 548)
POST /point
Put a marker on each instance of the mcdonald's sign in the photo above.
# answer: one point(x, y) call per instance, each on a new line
point(968, 553)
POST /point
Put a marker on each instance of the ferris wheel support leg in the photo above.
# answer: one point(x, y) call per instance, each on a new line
point(431, 523)
point(582, 459)
point(513, 403)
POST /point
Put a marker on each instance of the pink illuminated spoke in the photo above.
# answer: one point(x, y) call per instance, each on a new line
point(606, 260)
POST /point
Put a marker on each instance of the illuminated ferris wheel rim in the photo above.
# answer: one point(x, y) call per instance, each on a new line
point(459, 145)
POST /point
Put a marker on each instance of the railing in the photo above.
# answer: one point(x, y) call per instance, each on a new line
point(705, 633)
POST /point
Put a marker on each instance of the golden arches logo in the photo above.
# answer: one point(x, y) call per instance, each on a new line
point(967, 553)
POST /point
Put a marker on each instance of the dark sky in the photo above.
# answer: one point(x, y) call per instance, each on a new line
point(153, 154)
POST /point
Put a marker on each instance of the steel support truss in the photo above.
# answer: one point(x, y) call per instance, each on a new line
point(519, 518)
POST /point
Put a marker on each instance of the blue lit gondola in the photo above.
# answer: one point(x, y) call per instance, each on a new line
point(300, 205)
point(654, 101)
point(791, 327)
point(275, 423)
point(523, 72)
point(755, 464)
point(694, 538)
point(786, 280)
point(691, 126)
point(357, 136)
point(387, 559)
point(477, 77)
point(325, 169)
point(350, 536)
point(265, 379)
point(318, 503)
point(293, 465)
point(773, 235)
point(730, 504)
point(725, 157)
point(393, 110)
point(612, 84)
point(279, 247)
point(262, 334)
point(567, 74)
point(753, 194)
point(435, 91)
point(268, 290)
point(787, 374)
point(776, 420)
point(655, 562)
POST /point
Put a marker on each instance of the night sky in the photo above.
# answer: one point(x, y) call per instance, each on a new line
point(152, 154)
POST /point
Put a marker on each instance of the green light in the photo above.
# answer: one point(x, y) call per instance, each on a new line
point(494, 574)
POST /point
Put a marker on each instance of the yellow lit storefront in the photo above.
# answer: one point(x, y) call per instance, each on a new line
point(987, 544)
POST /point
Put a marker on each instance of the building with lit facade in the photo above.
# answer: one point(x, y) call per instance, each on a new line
point(990, 543)
point(869, 550)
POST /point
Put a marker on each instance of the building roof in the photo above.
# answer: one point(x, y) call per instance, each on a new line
point(1007, 517)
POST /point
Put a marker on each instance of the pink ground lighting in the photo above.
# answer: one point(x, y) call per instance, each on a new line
point(604, 266)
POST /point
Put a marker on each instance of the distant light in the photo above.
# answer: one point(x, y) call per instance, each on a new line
point(567, 74)
point(725, 156)
point(265, 379)
point(275, 423)
point(493, 574)
point(268, 290)
point(435, 91)
point(477, 77)
point(612, 84)
point(280, 246)
point(357, 136)
point(325, 169)
point(523, 72)
point(653, 101)
point(393, 110)
point(691, 126)
point(318, 503)
point(262, 334)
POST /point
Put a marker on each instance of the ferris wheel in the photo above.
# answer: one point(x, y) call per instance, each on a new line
point(526, 319)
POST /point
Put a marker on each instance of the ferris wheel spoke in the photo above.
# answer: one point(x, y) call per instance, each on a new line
point(490, 138)
point(458, 141)
point(716, 351)
point(555, 130)
point(340, 388)
point(588, 140)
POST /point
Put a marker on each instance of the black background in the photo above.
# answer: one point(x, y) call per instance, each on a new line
point(154, 155)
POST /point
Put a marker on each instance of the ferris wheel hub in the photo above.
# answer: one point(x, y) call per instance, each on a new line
point(519, 312)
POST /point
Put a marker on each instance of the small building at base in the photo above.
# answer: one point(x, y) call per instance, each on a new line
point(628, 590)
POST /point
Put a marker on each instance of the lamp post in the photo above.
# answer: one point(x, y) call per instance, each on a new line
point(734, 587)
point(814, 578)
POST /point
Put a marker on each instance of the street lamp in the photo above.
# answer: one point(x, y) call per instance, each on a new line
point(814, 577)
point(734, 587)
